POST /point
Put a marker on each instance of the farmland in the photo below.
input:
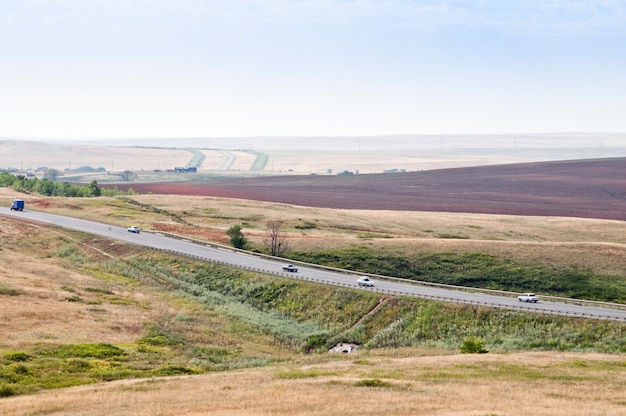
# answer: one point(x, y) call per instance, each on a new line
point(71, 292)
point(580, 188)
point(305, 155)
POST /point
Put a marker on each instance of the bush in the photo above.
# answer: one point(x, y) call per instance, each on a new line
point(9, 292)
point(84, 351)
point(175, 370)
point(158, 338)
point(372, 383)
point(237, 239)
point(17, 356)
point(473, 346)
point(6, 391)
point(306, 226)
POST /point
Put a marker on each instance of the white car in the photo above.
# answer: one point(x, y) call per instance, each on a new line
point(365, 281)
point(290, 268)
point(133, 229)
point(528, 297)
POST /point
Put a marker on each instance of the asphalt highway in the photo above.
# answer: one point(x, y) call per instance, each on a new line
point(264, 264)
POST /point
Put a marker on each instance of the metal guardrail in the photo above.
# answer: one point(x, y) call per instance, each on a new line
point(399, 293)
point(557, 299)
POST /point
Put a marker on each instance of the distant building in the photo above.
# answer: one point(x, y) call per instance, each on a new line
point(182, 170)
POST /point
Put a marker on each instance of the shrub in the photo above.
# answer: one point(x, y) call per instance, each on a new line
point(314, 342)
point(372, 383)
point(174, 370)
point(306, 226)
point(473, 346)
point(237, 239)
point(17, 356)
point(158, 338)
point(9, 292)
point(6, 391)
point(84, 351)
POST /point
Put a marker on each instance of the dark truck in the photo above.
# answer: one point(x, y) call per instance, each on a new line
point(17, 205)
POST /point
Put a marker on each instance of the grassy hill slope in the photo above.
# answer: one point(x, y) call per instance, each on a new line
point(78, 310)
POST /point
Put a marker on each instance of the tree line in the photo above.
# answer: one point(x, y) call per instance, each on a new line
point(49, 187)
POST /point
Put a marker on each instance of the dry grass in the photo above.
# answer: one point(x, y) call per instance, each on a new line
point(32, 155)
point(599, 245)
point(215, 160)
point(57, 303)
point(542, 384)
point(377, 161)
point(365, 155)
point(413, 382)
point(42, 312)
point(587, 244)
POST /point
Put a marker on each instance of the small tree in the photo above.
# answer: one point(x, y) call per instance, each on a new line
point(276, 239)
point(473, 345)
point(128, 175)
point(237, 239)
point(52, 174)
point(94, 189)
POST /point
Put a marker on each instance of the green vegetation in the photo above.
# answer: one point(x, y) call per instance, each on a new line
point(74, 364)
point(307, 225)
point(296, 316)
point(473, 345)
point(82, 351)
point(7, 291)
point(49, 187)
point(474, 270)
point(311, 317)
point(227, 310)
point(260, 162)
point(197, 159)
point(372, 383)
point(237, 239)
point(17, 356)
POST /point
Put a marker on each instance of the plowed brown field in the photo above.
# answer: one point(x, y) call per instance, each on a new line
point(594, 188)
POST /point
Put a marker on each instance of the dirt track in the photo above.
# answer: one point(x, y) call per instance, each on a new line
point(594, 188)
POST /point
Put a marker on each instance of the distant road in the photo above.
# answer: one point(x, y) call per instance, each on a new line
point(230, 160)
point(249, 261)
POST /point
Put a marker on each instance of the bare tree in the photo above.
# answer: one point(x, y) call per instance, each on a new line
point(276, 239)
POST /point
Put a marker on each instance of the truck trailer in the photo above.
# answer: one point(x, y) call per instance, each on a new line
point(17, 205)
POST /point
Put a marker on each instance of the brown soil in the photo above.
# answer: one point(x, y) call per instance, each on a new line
point(594, 188)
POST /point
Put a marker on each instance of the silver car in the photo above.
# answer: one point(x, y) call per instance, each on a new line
point(365, 281)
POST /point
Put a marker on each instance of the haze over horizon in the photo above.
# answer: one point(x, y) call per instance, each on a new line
point(248, 68)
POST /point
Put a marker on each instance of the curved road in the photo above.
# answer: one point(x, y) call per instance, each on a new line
point(315, 273)
point(230, 160)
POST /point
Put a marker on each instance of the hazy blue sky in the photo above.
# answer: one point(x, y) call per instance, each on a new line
point(181, 68)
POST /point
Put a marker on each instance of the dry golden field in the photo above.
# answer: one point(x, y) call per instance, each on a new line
point(375, 382)
point(307, 155)
point(597, 245)
point(28, 155)
point(409, 383)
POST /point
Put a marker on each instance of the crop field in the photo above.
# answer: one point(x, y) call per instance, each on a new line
point(582, 188)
